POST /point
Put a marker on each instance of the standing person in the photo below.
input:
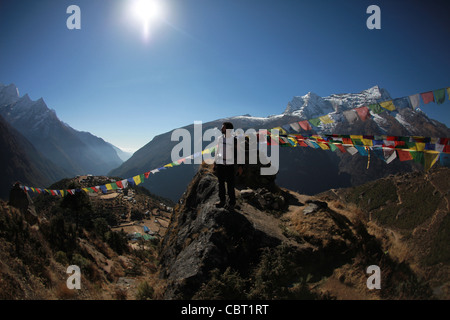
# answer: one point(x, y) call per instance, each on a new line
point(224, 164)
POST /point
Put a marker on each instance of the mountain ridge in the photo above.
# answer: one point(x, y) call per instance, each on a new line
point(297, 164)
point(75, 151)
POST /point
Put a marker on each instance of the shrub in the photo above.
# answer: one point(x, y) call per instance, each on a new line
point(145, 291)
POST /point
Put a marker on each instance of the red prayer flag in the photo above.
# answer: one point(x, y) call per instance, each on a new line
point(363, 113)
point(147, 174)
point(404, 155)
point(119, 184)
point(341, 147)
point(427, 97)
point(305, 125)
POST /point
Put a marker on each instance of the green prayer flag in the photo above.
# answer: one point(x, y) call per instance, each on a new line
point(315, 122)
point(375, 108)
point(332, 146)
point(417, 156)
point(439, 95)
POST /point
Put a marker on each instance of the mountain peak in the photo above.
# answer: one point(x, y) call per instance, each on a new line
point(311, 105)
point(8, 93)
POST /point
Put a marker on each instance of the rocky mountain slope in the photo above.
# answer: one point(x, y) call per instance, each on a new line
point(279, 244)
point(276, 244)
point(41, 237)
point(74, 151)
point(20, 161)
point(323, 170)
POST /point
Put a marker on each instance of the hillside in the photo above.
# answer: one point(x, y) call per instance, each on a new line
point(277, 244)
point(280, 244)
point(20, 161)
point(103, 235)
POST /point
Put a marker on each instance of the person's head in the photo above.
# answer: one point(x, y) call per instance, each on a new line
point(226, 126)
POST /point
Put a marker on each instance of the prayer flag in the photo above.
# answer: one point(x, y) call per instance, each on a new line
point(295, 126)
point(323, 145)
point(427, 97)
point(430, 158)
point(131, 181)
point(351, 150)
point(444, 159)
point(448, 93)
point(315, 122)
point(350, 115)
point(414, 100)
point(404, 155)
point(362, 150)
point(389, 155)
point(389, 105)
point(363, 113)
point(305, 125)
point(375, 108)
point(439, 95)
point(341, 147)
point(417, 156)
point(326, 119)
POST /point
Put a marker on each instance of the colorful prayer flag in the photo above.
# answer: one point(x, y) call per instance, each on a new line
point(350, 115)
point(295, 126)
point(375, 108)
point(427, 97)
point(439, 95)
point(414, 100)
point(404, 155)
point(389, 105)
point(430, 158)
point(315, 122)
point(326, 119)
point(305, 125)
point(363, 113)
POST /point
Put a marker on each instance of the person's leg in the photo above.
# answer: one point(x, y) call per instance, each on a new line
point(230, 184)
point(221, 175)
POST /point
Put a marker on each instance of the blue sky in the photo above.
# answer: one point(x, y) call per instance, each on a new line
point(208, 59)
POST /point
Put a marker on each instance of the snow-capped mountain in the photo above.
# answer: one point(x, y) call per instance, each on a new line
point(301, 169)
point(311, 105)
point(74, 151)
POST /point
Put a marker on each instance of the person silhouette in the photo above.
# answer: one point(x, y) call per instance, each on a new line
point(225, 165)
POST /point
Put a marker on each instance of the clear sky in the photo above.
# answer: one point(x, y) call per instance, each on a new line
point(201, 60)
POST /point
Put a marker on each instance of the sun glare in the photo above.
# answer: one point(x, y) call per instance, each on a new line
point(146, 12)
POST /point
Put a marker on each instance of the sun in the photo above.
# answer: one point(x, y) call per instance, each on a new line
point(147, 13)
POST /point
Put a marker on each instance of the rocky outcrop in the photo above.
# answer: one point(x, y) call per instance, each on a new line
point(308, 247)
point(202, 237)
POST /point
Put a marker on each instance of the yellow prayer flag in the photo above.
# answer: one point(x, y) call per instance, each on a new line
point(448, 91)
point(389, 105)
point(357, 137)
point(431, 157)
point(367, 142)
point(169, 165)
point(280, 130)
point(85, 190)
point(108, 186)
point(137, 179)
point(420, 146)
point(324, 146)
point(326, 119)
